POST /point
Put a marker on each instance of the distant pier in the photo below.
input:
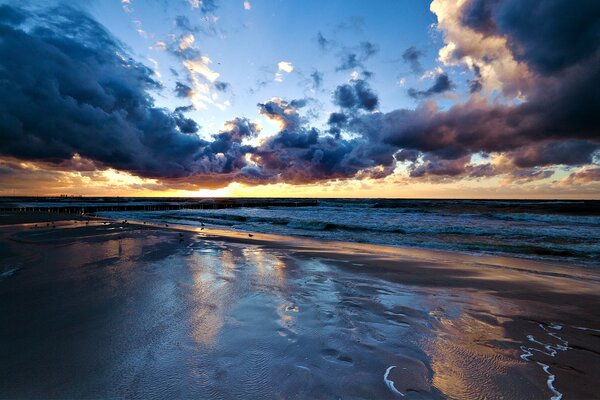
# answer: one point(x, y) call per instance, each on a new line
point(94, 205)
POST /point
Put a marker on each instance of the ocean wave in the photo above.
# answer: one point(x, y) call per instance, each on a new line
point(466, 226)
point(545, 218)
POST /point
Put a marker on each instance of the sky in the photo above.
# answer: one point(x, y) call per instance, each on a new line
point(442, 98)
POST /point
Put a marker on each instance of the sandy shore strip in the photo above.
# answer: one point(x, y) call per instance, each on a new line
point(105, 309)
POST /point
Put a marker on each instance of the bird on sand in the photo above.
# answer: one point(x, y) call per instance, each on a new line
point(250, 235)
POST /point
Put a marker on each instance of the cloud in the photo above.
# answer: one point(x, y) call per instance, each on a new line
point(353, 24)
point(285, 66)
point(302, 154)
point(205, 6)
point(90, 100)
point(200, 77)
point(442, 84)
point(222, 86)
point(521, 176)
point(94, 99)
point(247, 5)
point(126, 6)
point(348, 61)
point(317, 79)
point(412, 56)
point(566, 34)
point(584, 175)
point(322, 41)
point(356, 95)
point(200, 67)
point(500, 70)
point(186, 41)
point(568, 152)
point(355, 57)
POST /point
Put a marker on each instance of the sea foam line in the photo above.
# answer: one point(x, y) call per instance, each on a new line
point(551, 350)
point(389, 383)
point(550, 381)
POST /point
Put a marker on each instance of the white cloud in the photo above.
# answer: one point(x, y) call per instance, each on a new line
point(247, 5)
point(138, 28)
point(432, 73)
point(155, 67)
point(489, 54)
point(126, 5)
point(201, 76)
point(285, 66)
point(159, 45)
point(187, 41)
point(199, 66)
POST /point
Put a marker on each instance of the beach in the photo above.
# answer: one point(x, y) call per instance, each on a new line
point(112, 309)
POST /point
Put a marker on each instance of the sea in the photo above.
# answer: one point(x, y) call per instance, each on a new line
point(558, 231)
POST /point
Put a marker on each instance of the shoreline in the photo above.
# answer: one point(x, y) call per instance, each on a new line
point(448, 265)
point(455, 309)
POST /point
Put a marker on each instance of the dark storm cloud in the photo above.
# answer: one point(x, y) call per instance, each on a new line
point(356, 94)
point(407, 155)
point(442, 84)
point(477, 14)
point(440, 167)
point(299, 153)
point(548, 35)
point(11, 15)
point(86, 97)
point(477, 126)
point(337, 118)
point(475, 86)
point(569, 152)
point(185, 125)
point(225, 154)
point(412, 56)
point(75, 91)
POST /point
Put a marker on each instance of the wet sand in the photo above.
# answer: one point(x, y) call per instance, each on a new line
point(112, 310)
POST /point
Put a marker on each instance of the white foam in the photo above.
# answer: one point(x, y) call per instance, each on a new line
point(550, 381)
point(389, 383)
point(8, 272)
point(549, 350)
point(582, 328)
